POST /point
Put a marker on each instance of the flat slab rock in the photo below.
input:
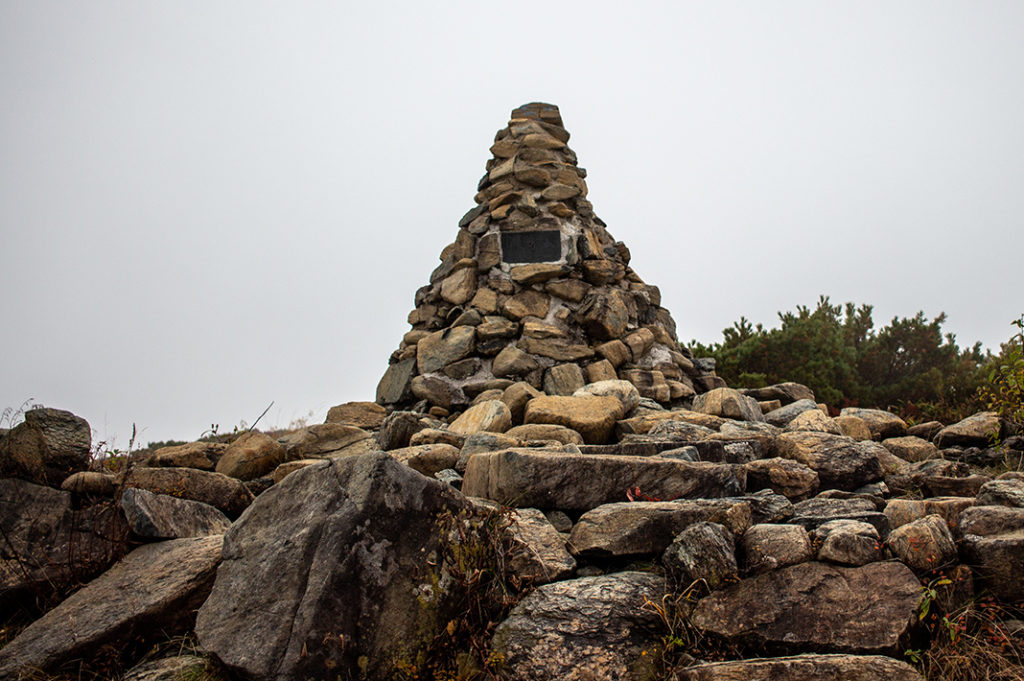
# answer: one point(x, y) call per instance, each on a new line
point(804, 668)
point(586, 629)
point(632, 528)
point(815, 607)
point(156, 587)
point(531, 478)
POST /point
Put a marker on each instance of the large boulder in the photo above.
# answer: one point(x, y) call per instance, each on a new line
point(156, 588)
point(217, 490)
point(804, 668)
point(978, 430)
point(331, 571)
point(816, 607)
point(48, 544)
point(591, 628)
point(840, 462)
point(632, 528)
point(592, 416)
point(159, 516)
point(728, 403)
point(882, 424)
point(47, 447)
point(251, 456)
point(540, 479)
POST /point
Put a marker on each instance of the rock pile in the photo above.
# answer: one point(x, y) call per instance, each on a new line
point(534, 289)
point(606, 511)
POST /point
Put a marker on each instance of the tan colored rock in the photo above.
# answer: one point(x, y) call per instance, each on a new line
point(641, 425)
point(427, 459)
point(650, 384)
point(974, 431)
point(459, 287)
point(639, 342)
point(923, 544)
point(728, 403)
point(444, 347)
point(220, 491)
point(537, 273)
point(615, 351)
point(251, 456)
point(624, 391)
point(545, 431)
point(557, 350)
point(814, 420)
point(492, 416)
point(528, 303)
point(791, 479)
point(485, 300)
point(910, 448)
point(804, 668)
point(90, 483)
point(437, 436)
point(604, 315)
point(591, 416)
point(770, 547)
point(282, 471)
point(516, 396)
point(540, 556)
point(882, 424)
point(903, 511)
point(840, 462)
point(848, 542)
point(572, 290)
point(201, 455)
point(513, 362)
point(603, 272)
point(359, 414)
point(853, 426)
point(563, 379)
point(601, 370)
point(325, 439)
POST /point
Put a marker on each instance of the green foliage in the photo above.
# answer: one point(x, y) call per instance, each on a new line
point(835, 350)
point(1004, 391)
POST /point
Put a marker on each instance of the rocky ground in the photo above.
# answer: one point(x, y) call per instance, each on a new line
point(751, 536)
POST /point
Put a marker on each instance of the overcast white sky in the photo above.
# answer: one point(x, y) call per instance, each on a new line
point(209, 206)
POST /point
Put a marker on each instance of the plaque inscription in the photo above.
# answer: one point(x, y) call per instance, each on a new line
point(536, 246)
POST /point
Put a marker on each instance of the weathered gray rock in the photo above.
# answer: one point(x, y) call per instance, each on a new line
point(159, 516)
point(201, 455)
point(330, 565)
point(916, 476)
point(848, 542)
point(814, 606)
point(215, 489)
point(784, 392)
point(840, 462)
point(767, 507)
point(815, 512)
point(47, 447)
point(47, 544)
point(769, 547)
point(251, 456)
point(528, 478)
point(783, 415)
point(925, 431)
point(990, 520)
point(394, 384)
point(583, 629)
point(974, 431)
point(399, 427)
point(804, 668)
point(923, 544)
point(478, 443)
point(882, 424)
point(1006, 492)
point(541, 556)
point(156, 588)
point(639, 527)
point(704, 552)
point(852, 426)
point(997, 560)
point(791, 479)
point(728, 403)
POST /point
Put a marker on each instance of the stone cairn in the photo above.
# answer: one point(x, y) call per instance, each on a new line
point(661, 526)
point(534, 289)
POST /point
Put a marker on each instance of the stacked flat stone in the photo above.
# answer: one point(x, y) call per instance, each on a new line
point(534, 289)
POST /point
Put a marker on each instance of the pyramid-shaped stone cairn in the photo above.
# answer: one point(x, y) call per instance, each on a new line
point(534, 289)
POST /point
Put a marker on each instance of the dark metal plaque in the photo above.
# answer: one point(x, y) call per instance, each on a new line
point(536, 246)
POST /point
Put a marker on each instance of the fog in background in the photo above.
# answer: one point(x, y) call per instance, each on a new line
point(207, 207)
